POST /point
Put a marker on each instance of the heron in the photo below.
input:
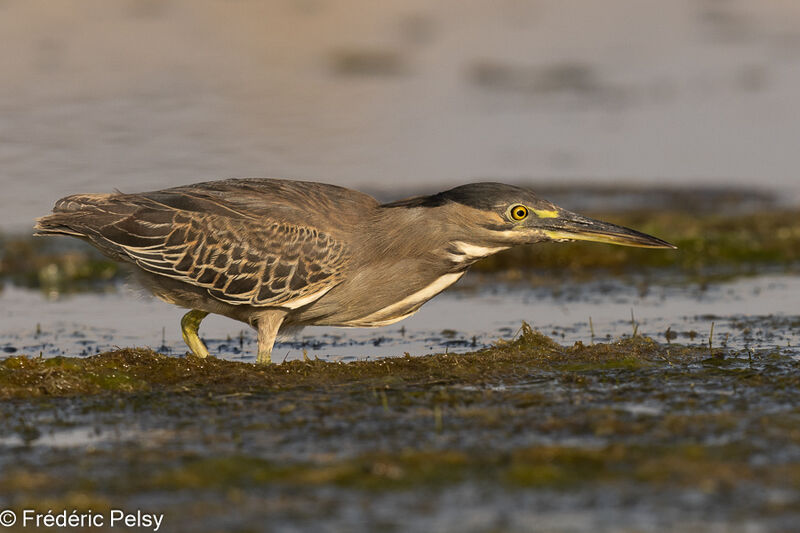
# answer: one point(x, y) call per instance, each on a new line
point(281, 254)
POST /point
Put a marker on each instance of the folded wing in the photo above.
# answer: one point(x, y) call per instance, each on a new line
point(239, 259)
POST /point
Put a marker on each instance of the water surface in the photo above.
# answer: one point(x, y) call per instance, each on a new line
point(758, 312)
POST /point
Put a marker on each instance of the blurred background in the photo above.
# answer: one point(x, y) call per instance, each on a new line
point(397, 94)
point(635, 111)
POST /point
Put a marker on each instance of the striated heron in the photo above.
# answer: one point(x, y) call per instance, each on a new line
point(280, 254)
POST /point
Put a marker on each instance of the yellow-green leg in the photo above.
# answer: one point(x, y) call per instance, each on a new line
point(189, 326)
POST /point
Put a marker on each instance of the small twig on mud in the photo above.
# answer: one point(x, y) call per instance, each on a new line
point(710, 337)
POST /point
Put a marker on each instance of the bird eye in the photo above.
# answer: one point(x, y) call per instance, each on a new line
point(518, 212)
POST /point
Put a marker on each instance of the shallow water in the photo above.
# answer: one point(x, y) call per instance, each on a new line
point(759, 312)
point(399, 94)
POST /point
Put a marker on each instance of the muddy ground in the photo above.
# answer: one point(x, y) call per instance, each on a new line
point(624, 436)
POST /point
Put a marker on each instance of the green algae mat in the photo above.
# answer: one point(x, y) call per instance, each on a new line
point(529, 435)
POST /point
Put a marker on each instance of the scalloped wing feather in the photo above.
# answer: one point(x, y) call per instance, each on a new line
point(236, 261)
point(206, 241)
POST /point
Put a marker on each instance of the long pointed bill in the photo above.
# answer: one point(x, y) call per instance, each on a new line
point(569, 226)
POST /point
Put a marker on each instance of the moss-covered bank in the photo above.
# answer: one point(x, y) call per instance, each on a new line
point(688, 432)
point(141, 370)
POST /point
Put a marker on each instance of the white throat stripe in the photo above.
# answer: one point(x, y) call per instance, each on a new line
point(475, 252)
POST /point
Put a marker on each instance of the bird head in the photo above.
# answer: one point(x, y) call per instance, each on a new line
point(494, 214)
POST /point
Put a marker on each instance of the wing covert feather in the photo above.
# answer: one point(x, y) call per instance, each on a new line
point(246, 241)
point(238, 261)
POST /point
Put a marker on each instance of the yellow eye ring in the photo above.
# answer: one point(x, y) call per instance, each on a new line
point(518, 212)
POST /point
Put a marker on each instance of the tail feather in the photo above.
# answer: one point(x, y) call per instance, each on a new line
point(56, 224)
point(68, 213)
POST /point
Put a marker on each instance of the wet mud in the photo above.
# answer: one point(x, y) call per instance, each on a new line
point(652, 434)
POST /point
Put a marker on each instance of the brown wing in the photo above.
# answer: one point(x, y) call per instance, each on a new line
point(238, 262)
point(237, 259)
